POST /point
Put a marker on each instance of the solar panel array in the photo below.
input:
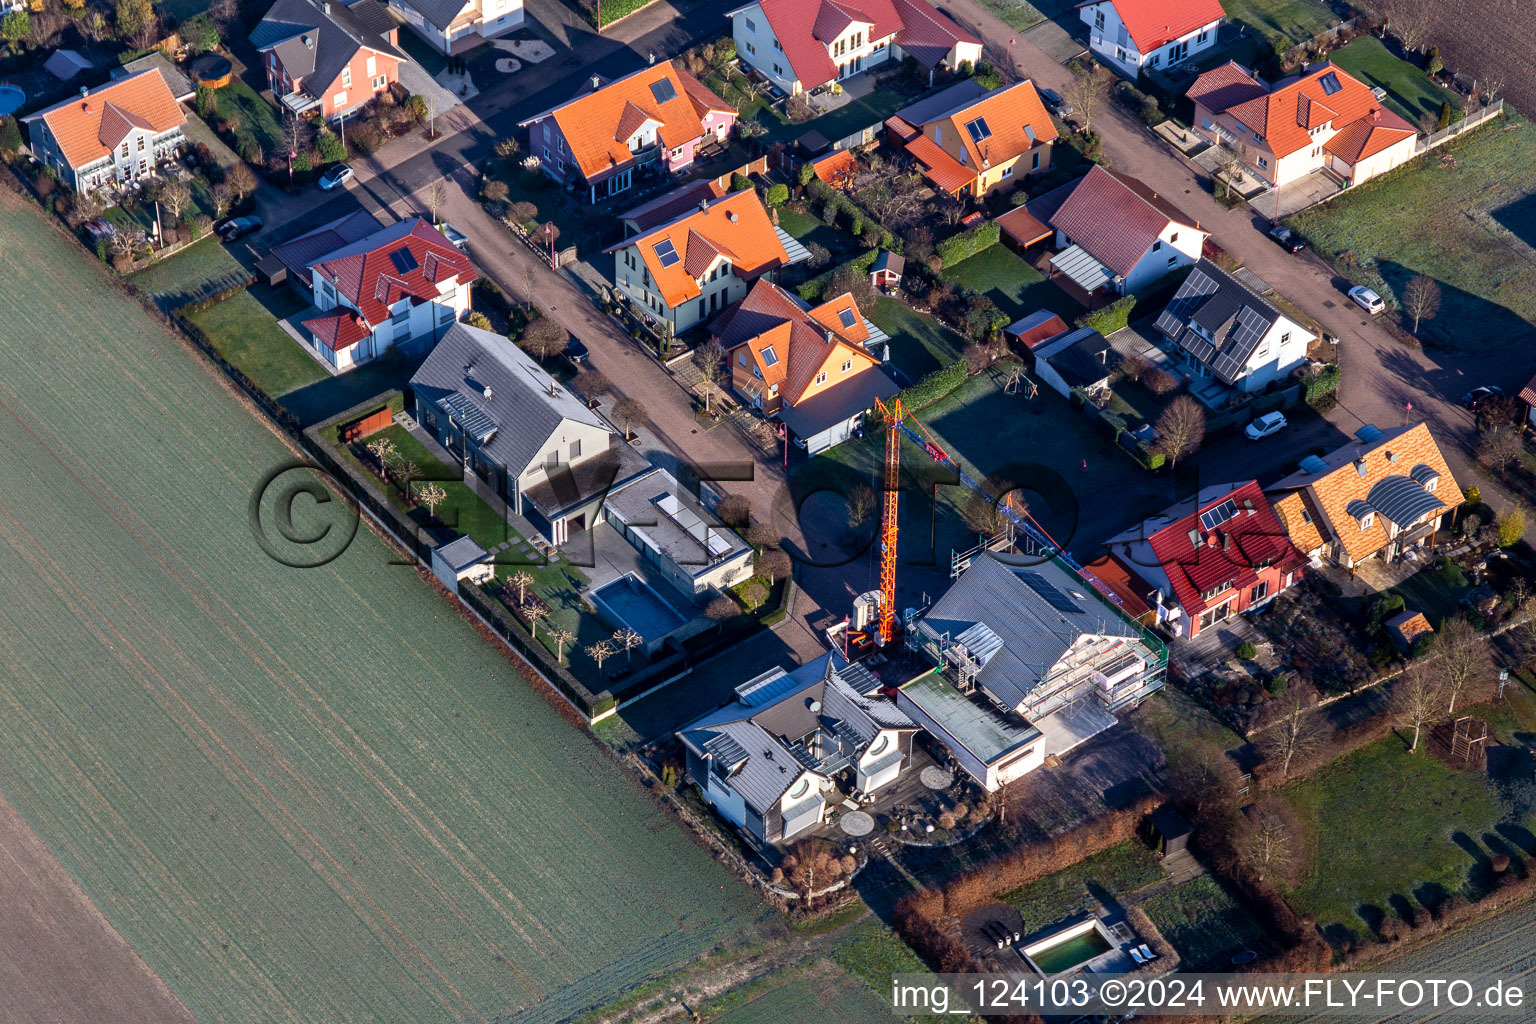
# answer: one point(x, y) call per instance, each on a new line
point(1330, 83)
point(1228, 314)
point(403, 260)
point(1197, 287)
point(1214, 517)
point(662, 90)
point(979, 129)
point(1245, 336)
point(1055, 598)
point(666, 252)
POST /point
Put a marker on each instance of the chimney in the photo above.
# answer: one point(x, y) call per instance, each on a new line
point(84, 92)
point(487, 392)
point(828, 332)
point(596, 81)
point(703, 205)
point(1226, 542)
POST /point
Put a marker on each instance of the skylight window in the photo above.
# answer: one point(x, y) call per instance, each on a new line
point(662, 90)
point(403, 260)
point(846, 317)
point(978, 129)
point(770, 357)
point(1029, 132)
point(1330, 83)
point(666, 253)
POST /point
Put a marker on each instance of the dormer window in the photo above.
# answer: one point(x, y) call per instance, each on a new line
point(1367, 520)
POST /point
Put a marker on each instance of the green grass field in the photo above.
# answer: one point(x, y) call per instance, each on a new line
point(1016, 14)
point(1120, 869)
point(919, 344)
point(1204, 922)
point(1410, 92)
point(1285, 23)
point(1001, 275)
point(246, 333)
point(205, 266)
point(1470, 227)
point(239, 99)
point(300, 795)
point(809, 228)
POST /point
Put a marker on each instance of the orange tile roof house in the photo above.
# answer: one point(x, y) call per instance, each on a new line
point(694, 266)
point(972, 143)
point(400, 286)
point(114, 134)
point(328, 57)
point(657, 117)
point(801, 45)
point(1382, 496)
point(815, 368)
point(1115, 234)
point(1134, 34)
point(1323, 120)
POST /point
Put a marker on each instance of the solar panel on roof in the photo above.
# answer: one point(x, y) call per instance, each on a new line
point(979, 129)
point(846, 317)
point(1214, 517)
point(1330, 83)
point(666, 252)
point(662, 90)
point(1055, 598)
point(403, 260)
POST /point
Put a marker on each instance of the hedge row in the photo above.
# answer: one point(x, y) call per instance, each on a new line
point(602, 13)
point(859, 219)
point(935, 386)
point(213, 298)
point(1111, 318)
point(811, 290)
point(1321, 385)
point(968, 243)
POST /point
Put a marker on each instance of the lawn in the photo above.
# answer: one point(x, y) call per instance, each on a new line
point(1001, 275)
point(300, 795)
point(1469, 227)
point(919, 343)
point(256, 114)
point(1118, 870)
point(1411, 93)
point(1285, 23)
point(809, 228)
point(1383, 825)
point(246, 333)
point(1204, 922)
point(1426, 592)
point(205, 266)
point(461, 510)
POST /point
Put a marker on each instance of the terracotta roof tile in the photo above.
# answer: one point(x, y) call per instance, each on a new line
point(1151, 23)
point(1116, 218)
point(338, 330)
point(1285, 116)
point(939, 167)
point(369, 276)
point(1012, 114)
point(1224, 87)
point(803, 28)
point(735, 226)
point(803, 340)
point(1370, 135)
point(82, 126)
point(927, 35)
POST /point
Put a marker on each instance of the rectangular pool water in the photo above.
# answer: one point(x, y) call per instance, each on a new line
point(1066, 955)
point(633, 603)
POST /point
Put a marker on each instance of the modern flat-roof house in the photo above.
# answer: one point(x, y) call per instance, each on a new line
point(692, 550)
point(507, 421)
point(1209, 557)
point(772, 761)
point(692, 267)
point(400, 286)
point(1226, 332)
point(1323, 120)
point(817, 369)
point(1115, 235)
point(801, 45)
point(454, 26)
point(1382, 496)
point(1029, 661)
point(656, 118)
point(114, 134)
point(972, 144)
point(1134, 34)
point(327, 57)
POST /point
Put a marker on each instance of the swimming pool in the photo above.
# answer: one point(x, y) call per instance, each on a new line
point(630, 601)
point(11, 99)
point(1069, 948)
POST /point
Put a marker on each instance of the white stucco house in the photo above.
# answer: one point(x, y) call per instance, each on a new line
point(1130, 35)
point(115, 134)
point(454, 26)
point(1226, 331)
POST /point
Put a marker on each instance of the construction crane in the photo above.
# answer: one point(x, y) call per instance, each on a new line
point(896, 419)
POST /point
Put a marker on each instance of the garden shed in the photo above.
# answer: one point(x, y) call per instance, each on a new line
point(1170, 832)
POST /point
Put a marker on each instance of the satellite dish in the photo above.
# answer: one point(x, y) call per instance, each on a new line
point(815, 706)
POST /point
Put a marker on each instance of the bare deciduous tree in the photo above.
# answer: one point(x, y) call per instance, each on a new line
point(1267, 841)
point(1085, 93)
point(1181, 429)
point(436, 197)
point(241, 179)
point(1499, 444)
point(1463, 659)
point(176, 196)
point(1294, 732)
point(1421, 299)
point(860, 503)
point(986, 510)
point(600, 652)
point(709, 360)
point(383, 451)
point(775, 565)
point(535, 614)
point(626, 640)
point(1410, 21)
point(593, 384)
point(630, 414)
point(223, 198)
point(545, 338)
point(522, 580)
point(1203, 776)
point(561, 636)
point(432, 495)
point(754, 593)
point(1416, 698)
point(297, 133)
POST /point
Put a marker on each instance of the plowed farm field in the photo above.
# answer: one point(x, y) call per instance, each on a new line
point(302, 795)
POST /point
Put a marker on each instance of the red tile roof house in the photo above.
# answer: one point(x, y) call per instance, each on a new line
point(1323, 120)
point(1115, 234)
point(1133, 34)
point(816, 369)
point(1209, 558)
point(800, 45)
point(116, 133)
point(657, 117)
point(693, 267)
point(326, 57)
point(968, 141)
point(400, 287)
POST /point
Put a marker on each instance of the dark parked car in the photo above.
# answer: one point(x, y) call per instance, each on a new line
point(1287, 239)
point(238, 227)
point(1477, 396)
point(1057, 105)
point(576, 352)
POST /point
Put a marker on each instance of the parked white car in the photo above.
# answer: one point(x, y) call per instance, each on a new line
point(1263, 426)
point(1367, 300)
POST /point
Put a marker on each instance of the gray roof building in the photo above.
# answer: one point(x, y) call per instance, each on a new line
point(315, 40)
point(1217, 320)
point(1082, 357)
point(662, 517)
point(181, 87)
point(439, 13)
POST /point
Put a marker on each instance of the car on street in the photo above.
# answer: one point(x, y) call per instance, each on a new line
point(335, 177)
point(238, 227)
point(1057, 105)
point(1477, 396)
point(1263, 426)
point(1367, 300)
point(1287, 239)
point(575, 351)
